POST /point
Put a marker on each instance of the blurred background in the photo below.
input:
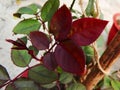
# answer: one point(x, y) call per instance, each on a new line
point(7, 22)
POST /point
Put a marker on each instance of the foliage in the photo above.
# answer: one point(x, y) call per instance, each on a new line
point(66, 43)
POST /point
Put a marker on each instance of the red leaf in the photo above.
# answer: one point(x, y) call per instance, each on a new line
point(60, 23)
point(112, 33)
point(15, 43)
point(25, 74)
point(49, 61)
point(70, 58)
point(18, 45)
point(19, 48)
point(86, 30)
point(39, 40)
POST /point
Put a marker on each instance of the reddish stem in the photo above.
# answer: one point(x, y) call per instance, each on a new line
point(18, 76)
point(52, 47)
point(32, 54)
point(58, 85)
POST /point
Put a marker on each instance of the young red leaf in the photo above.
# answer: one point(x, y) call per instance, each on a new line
point(112, 33)
point(60, 23)
point(14, 42)
point(49, 61)
point(18, 45)
point(86, 30)
point(25, 74)
point(39, 40)
point(19, 48)
point(70, 58)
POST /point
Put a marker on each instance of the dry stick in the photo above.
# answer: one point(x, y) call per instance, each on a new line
point(107, 60)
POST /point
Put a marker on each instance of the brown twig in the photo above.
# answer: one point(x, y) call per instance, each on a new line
point(81, 6)
point(106, 61)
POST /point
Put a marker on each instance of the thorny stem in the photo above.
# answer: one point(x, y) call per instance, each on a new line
point(73, 2)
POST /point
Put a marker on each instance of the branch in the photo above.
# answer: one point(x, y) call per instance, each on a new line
point(72, 4)
point(107, 60)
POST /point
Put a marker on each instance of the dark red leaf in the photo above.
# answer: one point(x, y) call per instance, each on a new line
point(49, 61)
point(112, 33)
point(70, 58)
point(15, 42)
point(25, 74)
point(18, 45)
point(86, 30)
point(19, 48)
point(39, 40)
point(60, 23)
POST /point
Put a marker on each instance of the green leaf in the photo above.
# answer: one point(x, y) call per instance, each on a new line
point(90, 8)
point(4, 76)
point(30, 9)
point(117, 83)
point(42, 75)
point(107, 81)
point(51, 85)
point(49, 9)
point(34, 49)
point(76, 86)
point(65, 77)
point(26, 26)
point(89, 52)
point(114, 85)
point(24, 39)
point(10, 87)
point(59, 69)
point(100, 44)
point(23, 84)
point(20, 58)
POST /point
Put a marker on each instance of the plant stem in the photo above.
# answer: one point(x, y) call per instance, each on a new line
point(18, 76)
point(106, 61)
point(97, 9)
point(52, 47)
point(73, 2)
point(13, 79)
point(81, 6)
point(58, 85)
point(30, 52)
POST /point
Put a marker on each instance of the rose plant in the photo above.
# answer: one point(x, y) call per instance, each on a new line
point(65, 40)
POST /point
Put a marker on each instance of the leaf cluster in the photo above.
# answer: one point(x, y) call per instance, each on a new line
point(64, 41)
